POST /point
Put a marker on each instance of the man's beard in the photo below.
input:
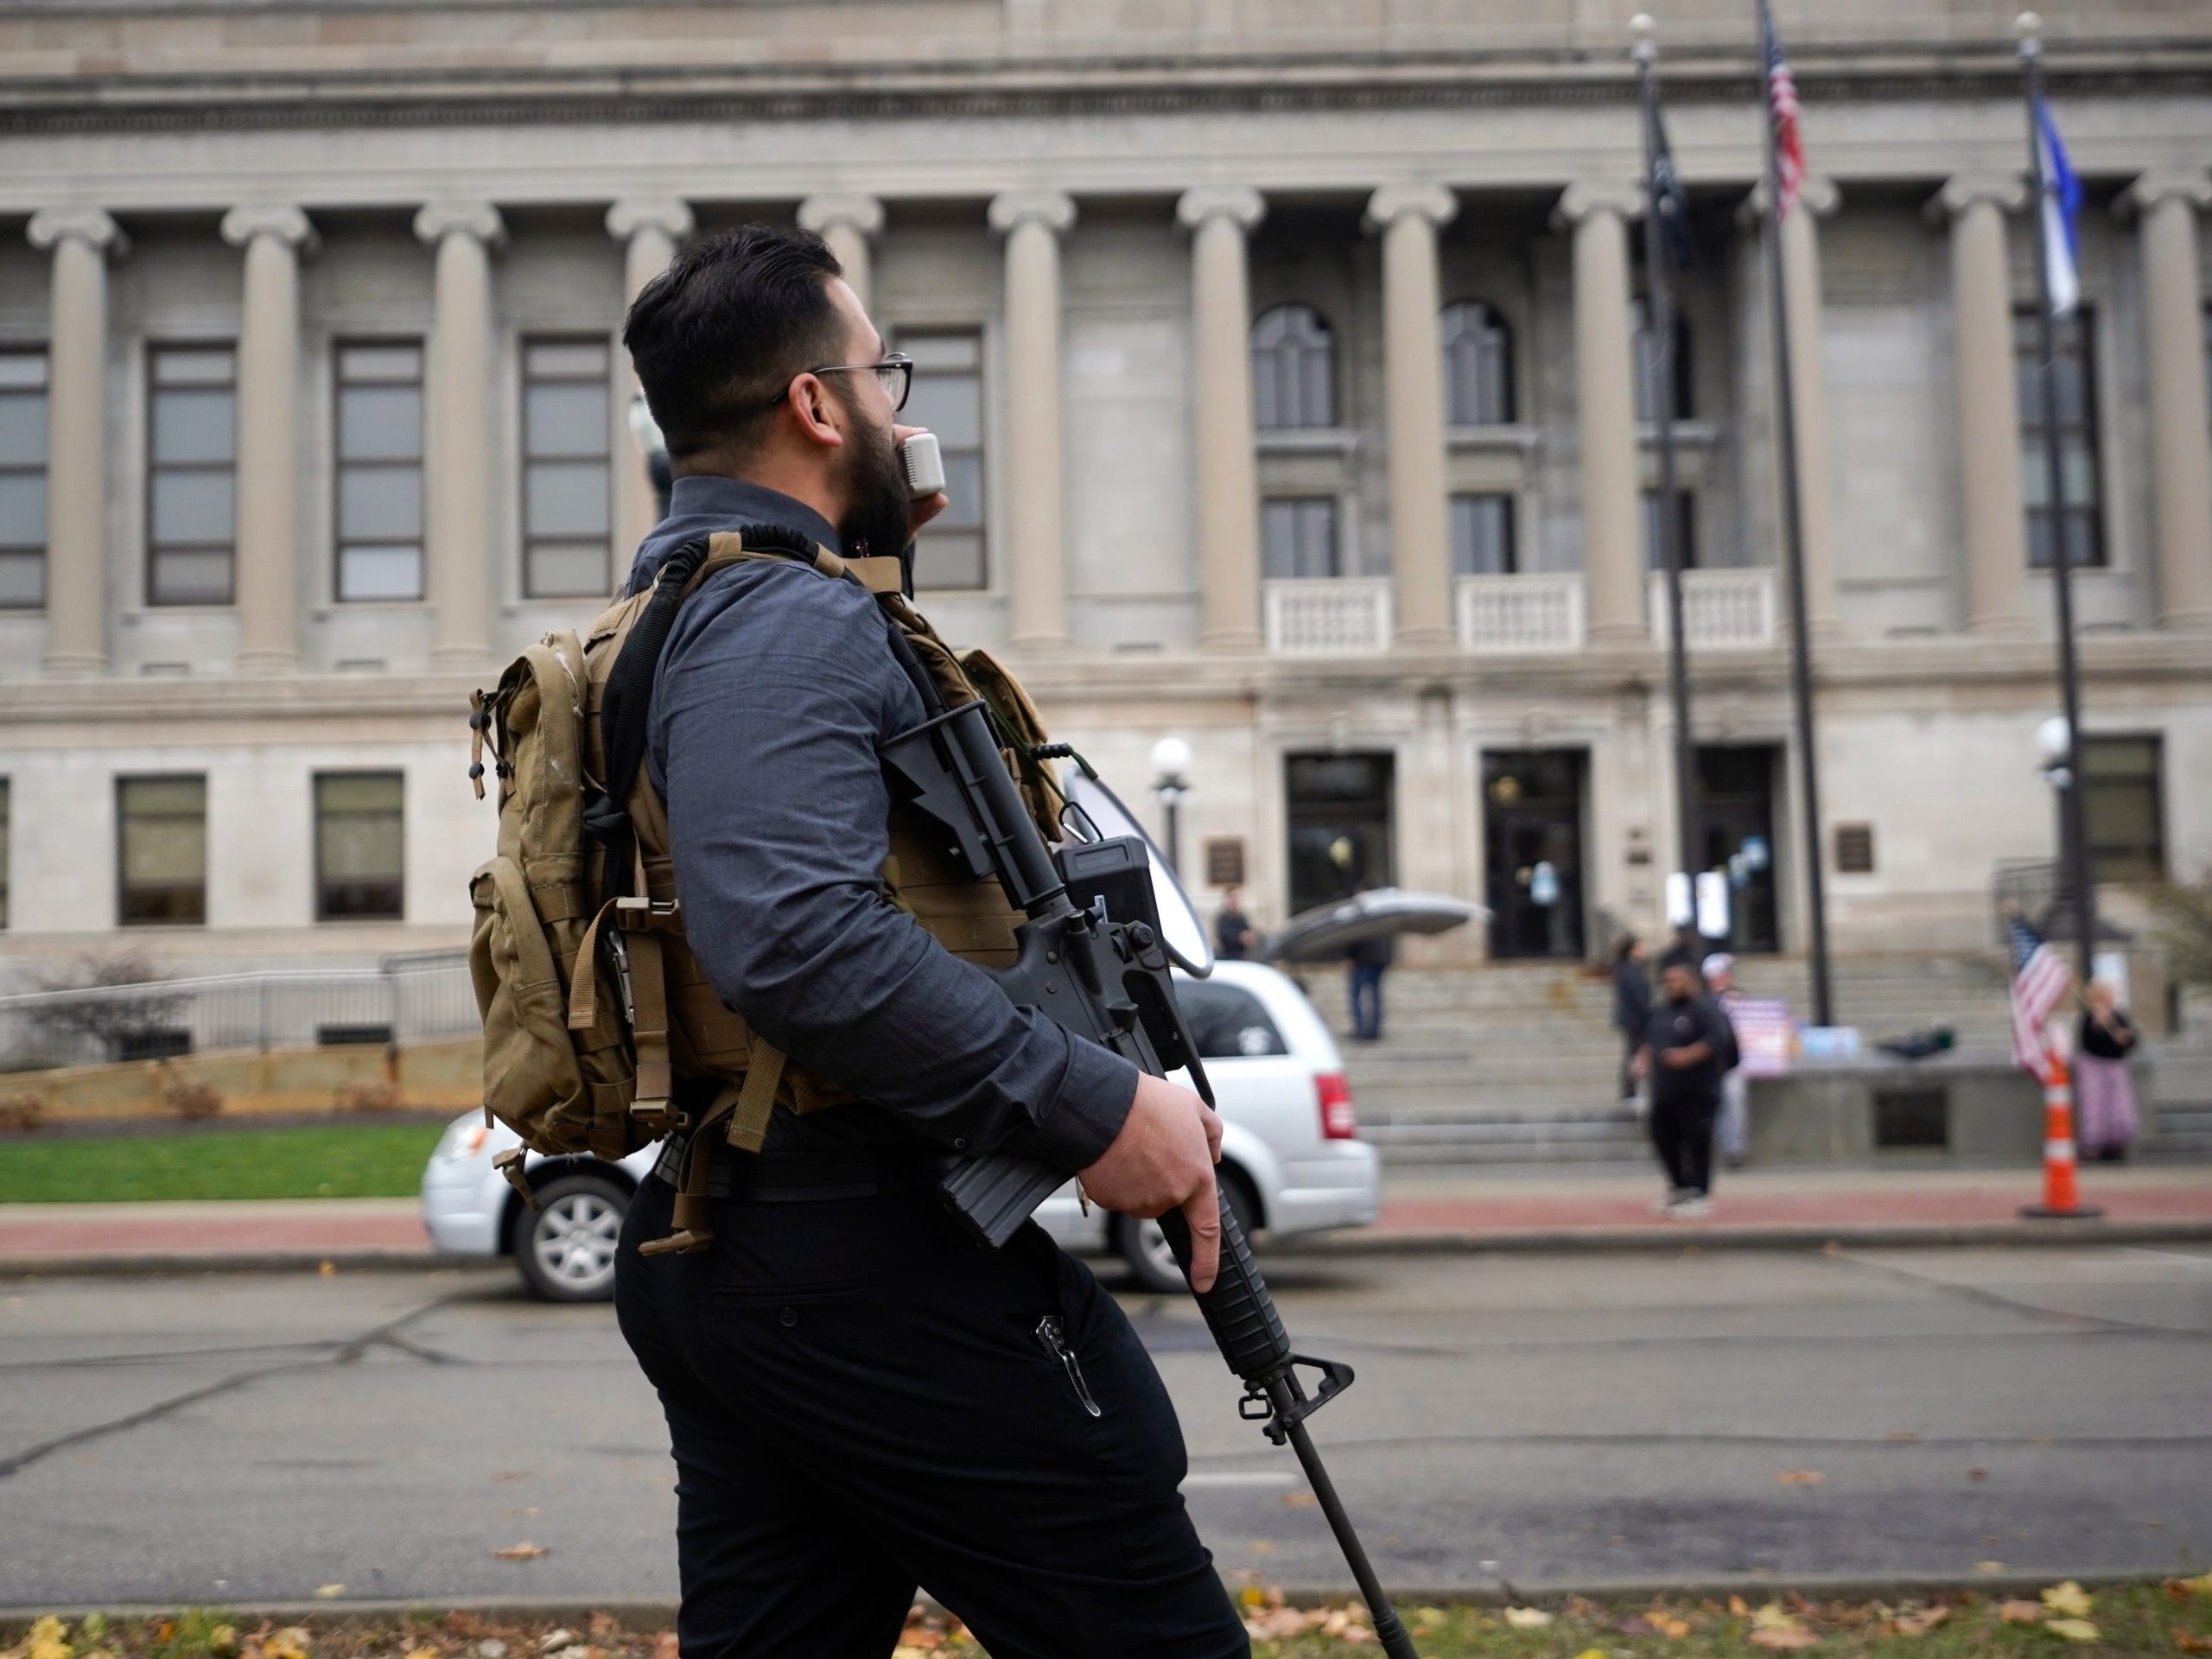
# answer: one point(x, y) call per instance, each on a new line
point(876, 516)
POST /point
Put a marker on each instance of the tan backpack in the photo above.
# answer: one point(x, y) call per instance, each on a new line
point(601, 1032)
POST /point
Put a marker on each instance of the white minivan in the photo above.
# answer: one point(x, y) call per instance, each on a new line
point(1292, 1161)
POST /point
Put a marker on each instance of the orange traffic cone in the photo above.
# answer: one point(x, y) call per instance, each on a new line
point(2061, 1202)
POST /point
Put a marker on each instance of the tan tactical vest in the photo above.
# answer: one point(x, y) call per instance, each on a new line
point(562, 1066)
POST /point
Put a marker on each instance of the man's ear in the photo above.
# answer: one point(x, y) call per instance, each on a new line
point(815, 413)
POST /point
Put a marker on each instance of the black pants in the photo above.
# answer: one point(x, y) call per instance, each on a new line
point(1681, 1130)
point(860, 1403)
point(1366, 982)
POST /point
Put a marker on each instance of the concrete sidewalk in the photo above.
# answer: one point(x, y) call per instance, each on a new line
point(1486, 1211)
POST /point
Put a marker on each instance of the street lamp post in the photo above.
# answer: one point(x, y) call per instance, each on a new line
point(1171, 759)
point(2054, 743)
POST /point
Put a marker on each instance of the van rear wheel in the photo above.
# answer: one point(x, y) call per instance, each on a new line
point(1143, 1245)
point(565, 1249)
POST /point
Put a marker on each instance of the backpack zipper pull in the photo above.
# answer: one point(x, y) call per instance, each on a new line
point(1054, 1342)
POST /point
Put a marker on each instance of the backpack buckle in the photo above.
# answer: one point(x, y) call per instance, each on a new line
point(654, 915)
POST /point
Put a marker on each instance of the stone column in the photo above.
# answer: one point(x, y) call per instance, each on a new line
point(457, 471)
point(648, 230)
point(1220, 219)
point(1033, 222)
point(1801, 274)
point(2181, 459)
point(1408, 218)
point(1989, 408)
point(268, 445)
point(82, 240)
point(1612, 530)
point(849, 225)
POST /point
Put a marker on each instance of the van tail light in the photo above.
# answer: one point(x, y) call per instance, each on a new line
point(1333, 1091)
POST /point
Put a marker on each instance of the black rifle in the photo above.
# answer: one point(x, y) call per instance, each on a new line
point(1088, 955)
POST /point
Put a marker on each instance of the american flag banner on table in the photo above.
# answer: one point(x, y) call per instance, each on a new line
point(1782, 110)
point(2040, 980)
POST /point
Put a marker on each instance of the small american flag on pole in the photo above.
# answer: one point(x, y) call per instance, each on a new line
point(2040, 980)
point(1782, 110)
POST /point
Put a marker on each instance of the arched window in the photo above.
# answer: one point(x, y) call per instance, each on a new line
point(1644, 360)
point(1478, 365)
point(1293, 369)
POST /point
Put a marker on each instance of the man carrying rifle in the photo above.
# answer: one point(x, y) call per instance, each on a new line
point(861, 1398)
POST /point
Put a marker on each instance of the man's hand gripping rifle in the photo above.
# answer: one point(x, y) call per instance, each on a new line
point(1089, 956)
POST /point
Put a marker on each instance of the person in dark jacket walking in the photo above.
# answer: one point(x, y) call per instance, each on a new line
point(1233, 934)
point(1368, 958)
point(1631, 1006)
point(1685, 1040)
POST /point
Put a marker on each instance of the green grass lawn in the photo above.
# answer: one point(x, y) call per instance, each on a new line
point(2111, 1621)
point(336, 1161)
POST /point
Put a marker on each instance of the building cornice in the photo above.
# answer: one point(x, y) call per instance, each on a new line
point(217, 98)
point(1939, 662)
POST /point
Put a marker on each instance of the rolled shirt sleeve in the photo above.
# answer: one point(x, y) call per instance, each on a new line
point(776, 686)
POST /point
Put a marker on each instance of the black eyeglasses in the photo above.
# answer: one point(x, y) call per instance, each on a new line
point(895, 374)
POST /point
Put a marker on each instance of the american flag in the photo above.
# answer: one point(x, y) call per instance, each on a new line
point(1782, 108)
point(2041, 980)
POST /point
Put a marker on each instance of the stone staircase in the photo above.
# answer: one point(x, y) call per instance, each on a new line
point(1515, 1063)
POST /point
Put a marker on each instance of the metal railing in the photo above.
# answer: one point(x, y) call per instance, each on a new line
point(402, 1000)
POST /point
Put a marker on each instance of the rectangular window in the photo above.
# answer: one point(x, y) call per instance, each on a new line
point(22, 480)
point(2124, 802)
point(1298, 536)
point(2077, 440)
point(568, 516)
point(379, 453)
point(162, 850)
point(191, 475)
point(359, 846)
point(1482, 536)
point(1654, 557)
point(947, 397)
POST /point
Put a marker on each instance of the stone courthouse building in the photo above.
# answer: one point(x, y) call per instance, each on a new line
point(1285, 357)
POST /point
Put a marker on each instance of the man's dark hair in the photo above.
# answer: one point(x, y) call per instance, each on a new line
point(1677, 957)
point(728, 323)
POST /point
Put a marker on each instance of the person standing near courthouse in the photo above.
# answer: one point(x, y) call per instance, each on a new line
point(1685, 1038)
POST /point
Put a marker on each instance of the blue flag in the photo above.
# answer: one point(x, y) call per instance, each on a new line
point(2062, 206)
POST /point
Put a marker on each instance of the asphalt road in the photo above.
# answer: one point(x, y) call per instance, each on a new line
point(1551, 1419)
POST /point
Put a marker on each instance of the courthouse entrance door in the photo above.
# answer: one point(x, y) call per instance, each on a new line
point(1532, 845)
point(1735, 818)
point(1339, 812)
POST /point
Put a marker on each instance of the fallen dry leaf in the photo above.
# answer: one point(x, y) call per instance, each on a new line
point(1918, 1623)
point(1977, 1475)
point(554, 1639)
point(2020, 1612)
point(524, 1551)
point(288, 1644)
point(1784, 1639)
point(1800, 1477)
point(2187, 1643)
point(1296, 1500)
point(1590, 1653)
point(1738, 1606)
point(1902, 1436)
point(1772, 1617)
point(1988, 1568)
point(421, 1653)
point(2074, 1630)
point(665, 1646)
point(2199, 1586)
point(1667, 1625)
point(1527, 1619)
point(223, 1642)
point(2069, 1599)
point(328, 1592)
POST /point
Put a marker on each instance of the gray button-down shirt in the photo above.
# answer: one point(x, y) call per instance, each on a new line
point(776, 687)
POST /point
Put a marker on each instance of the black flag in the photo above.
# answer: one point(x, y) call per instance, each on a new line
point(1665, 185)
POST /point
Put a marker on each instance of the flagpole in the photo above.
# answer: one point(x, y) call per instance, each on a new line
point(1793, 541)
point(1659, 320)
point(2073, 852)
